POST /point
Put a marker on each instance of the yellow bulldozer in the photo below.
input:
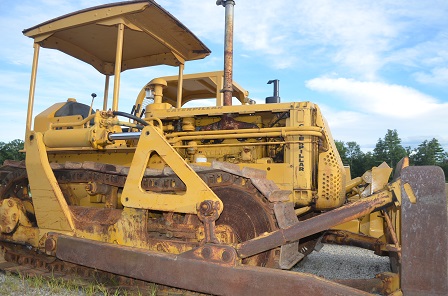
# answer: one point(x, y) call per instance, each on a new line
point(221, 199)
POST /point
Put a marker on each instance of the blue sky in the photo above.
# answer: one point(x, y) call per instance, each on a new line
point(369, 65)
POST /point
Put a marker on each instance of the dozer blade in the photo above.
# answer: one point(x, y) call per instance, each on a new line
point(424, 231)
point(219, 275)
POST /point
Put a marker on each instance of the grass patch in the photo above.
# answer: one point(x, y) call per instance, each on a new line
point(28, 285)
point(11, 285)
point(22, 284)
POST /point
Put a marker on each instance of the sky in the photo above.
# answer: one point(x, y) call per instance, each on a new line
point(369, 65)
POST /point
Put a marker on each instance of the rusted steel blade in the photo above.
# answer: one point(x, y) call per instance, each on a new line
point(183, 272)
point(313, 225)
point(424, 232)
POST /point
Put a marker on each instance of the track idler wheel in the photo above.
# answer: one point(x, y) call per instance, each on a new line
point(248, 216)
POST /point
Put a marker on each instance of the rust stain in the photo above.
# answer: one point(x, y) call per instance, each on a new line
point(228, 123)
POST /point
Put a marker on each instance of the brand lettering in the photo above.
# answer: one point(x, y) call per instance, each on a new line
point(194, 109)
point(301, 157)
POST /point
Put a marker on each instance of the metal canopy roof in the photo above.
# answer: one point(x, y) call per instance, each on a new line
point(152, 36)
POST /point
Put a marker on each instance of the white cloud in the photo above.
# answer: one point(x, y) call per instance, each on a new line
point(436, 76)
point(360, 36)
point(427, 61)
point(377, 107)
point(260, 31)
point(355, 33)
point(341, 119)
point(391, 100)
point(203, 18)
point(366, 129)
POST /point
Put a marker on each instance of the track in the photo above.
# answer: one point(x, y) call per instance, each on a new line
point(25, 264)
point(247, 214)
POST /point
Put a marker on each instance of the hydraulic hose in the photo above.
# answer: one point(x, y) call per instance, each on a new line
point(130, 116)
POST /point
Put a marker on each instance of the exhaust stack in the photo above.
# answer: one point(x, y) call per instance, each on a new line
point(228, 51)
point(275, 96)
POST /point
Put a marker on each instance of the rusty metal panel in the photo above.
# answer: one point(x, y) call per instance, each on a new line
point(271, 190)
point(424, 232)
point(183, 272)
point(289, 253)
point(232, 168)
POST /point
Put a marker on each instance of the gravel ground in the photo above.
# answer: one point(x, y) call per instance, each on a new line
point(331, 262)
point(343, 262)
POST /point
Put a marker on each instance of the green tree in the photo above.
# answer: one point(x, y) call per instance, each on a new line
point(352, 156)
point(353, 150)
point(11, 151)
point(369, 161)
point(356, 159)
point(429, 153)
point(340, 146)
point(389, 149)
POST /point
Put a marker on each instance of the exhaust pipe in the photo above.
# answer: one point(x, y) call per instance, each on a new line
point(228, 51)
point(275, 96)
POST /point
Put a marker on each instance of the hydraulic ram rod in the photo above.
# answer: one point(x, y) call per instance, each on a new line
point(314, 225)
point(124, 136)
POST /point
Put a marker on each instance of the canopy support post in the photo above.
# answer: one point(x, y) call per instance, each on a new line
point(106, 93)
point(180, 85)
point(29, 116)
point(117, 72)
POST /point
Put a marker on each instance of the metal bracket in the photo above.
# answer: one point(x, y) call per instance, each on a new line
point(151, 140)
point(50, 206)
point(208, 212)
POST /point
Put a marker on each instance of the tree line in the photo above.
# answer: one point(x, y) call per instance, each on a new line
point(390, 150)
point(11, 151)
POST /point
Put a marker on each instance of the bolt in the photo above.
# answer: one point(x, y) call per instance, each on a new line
point(206, 253)
point(10, 203)
point(50, 245)
point(8, 229)
point(14, 217)
point(206, 207)
point(226, 256)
